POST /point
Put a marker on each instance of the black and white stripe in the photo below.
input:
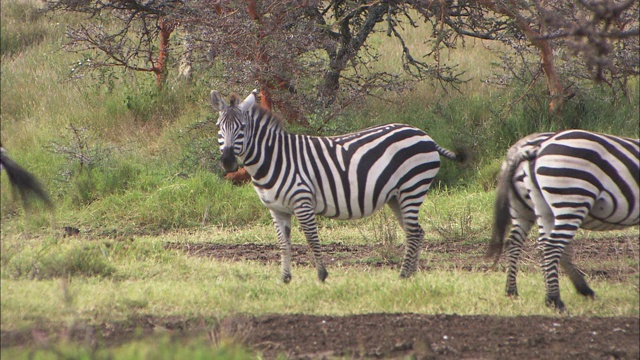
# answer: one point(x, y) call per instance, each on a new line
point(345, 177)
point(563, 181)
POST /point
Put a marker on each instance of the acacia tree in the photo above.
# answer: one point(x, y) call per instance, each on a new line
point(313, 57)
point(139, 41)
point(603, 35)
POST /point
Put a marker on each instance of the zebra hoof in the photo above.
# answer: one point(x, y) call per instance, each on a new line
point(587, 292)
point(556, 302)
point(405, 274)
point(286, 278)
point(322, 274)
point(512, 293)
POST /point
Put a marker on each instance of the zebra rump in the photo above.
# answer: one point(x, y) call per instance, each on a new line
point(23, 181)
point(501, 218)
point(563, 181)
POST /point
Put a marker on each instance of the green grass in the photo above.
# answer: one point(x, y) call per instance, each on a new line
point(132, 276)
point(98, 278)
point(212, 289)
point(163, 347)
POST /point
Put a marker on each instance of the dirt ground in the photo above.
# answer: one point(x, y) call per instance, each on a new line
point(391, 336)
point(597, 258)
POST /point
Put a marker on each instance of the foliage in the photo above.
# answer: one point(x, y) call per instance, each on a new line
point(51, 260)
point(313, 59)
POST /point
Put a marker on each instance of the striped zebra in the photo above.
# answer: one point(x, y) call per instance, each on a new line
point(23, 181)
point(344, 177)
point(563, 181)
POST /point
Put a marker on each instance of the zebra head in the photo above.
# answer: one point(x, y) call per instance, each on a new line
point(231, 125)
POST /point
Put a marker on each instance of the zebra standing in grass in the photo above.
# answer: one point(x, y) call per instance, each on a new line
point(565, 181)
point(345, 177)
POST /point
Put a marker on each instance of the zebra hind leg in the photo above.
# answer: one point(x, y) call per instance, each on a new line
point(576, 276)
point(550, 257)
point(408, 219)
point(413, 244)
point(513, 250)
point(307, 220)
point(282, 222)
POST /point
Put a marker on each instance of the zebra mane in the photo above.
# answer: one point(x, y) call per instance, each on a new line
point(267, 117)
point(234, 100)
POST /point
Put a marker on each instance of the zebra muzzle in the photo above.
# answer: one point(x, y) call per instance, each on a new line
point(229, 162)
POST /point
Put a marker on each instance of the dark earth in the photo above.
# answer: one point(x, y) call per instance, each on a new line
point(385, 335)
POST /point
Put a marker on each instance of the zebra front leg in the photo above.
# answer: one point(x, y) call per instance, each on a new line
point(307, 219)
point(282, 222)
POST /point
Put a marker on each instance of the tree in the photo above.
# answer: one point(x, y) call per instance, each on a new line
point(310, 57)
point(138, 27)
point(602, 32)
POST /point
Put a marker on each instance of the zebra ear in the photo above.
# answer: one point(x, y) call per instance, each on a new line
point(249, 101)
point(217, 101)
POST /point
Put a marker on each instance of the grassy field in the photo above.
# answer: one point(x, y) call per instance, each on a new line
point(150, 181)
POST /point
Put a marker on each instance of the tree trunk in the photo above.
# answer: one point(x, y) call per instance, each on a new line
point(556, 93)
point(166, 28)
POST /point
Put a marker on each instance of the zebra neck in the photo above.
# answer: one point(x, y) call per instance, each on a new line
point(267, 150)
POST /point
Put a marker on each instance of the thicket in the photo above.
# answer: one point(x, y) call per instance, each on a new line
point(119, 156)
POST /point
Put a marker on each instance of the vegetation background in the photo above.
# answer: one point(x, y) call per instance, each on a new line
point(132, 167)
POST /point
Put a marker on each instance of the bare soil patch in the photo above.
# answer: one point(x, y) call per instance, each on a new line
point(614, 258)
point(388, 336)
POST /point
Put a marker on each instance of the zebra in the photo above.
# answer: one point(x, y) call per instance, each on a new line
point(23, 181)
point(563, 181)
point(344, 177)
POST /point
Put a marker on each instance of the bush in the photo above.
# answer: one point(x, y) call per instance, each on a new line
point(59, 261)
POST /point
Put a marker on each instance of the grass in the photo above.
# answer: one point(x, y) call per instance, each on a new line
point(98, 278)
point(136, 276)
point(212, 289)
point(162, 348)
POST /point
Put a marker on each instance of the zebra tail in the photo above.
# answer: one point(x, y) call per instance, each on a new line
point(24, 181)
point(459, 155)
point(501, 213)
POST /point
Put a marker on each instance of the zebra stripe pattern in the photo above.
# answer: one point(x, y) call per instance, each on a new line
point(563, 181)
point(344, 177)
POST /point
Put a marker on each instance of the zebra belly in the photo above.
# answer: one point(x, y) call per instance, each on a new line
point(593, 224)
point(331, 211)
point(269, 200)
